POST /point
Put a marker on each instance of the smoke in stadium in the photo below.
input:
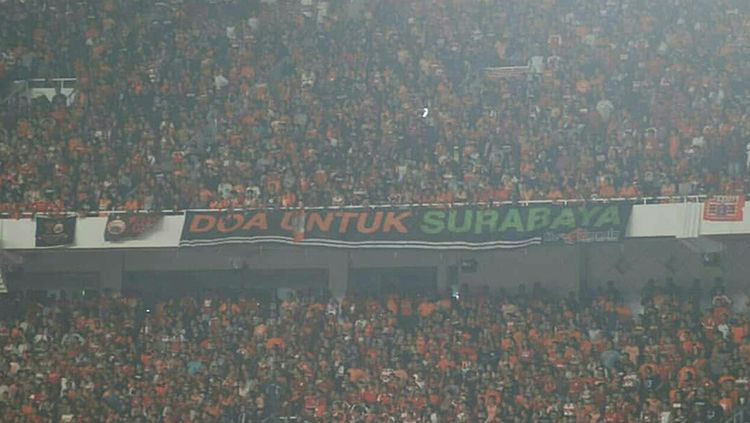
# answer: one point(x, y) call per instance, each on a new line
point(350, 211)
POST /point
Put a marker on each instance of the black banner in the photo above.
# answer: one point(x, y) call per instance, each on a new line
point(55, 231)
point(467, 227)
point(122, 226)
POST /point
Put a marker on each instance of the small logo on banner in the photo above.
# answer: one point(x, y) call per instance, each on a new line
point(131, 225)
point(583, 236)
point(724, 208)
point(55, 231)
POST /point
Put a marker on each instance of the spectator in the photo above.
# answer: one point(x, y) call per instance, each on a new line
point(482, 358)
point(249, 103)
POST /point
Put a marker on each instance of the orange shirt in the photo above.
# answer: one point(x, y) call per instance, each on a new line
point(445, 197)
point(624, 312)
point(683, 374)
point(445, 304)
point(738, 333)
point(289, 199)
point(555, 194)
point(273, 184)
point(502, 194)
point(27, 409)
point(214, 411)
point(132, 204)
point(145, 359)
point(726, 404)
point(320, 178)
point(392, 306)
point(628, 191)
point(356, 375)
point(607, 191)
point(443, 364)
point(426, 309)
point(247, 71)
point(273, 342)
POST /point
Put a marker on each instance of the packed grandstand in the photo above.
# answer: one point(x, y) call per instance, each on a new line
point(252, 104)
point(227, 103)
point(524, 357)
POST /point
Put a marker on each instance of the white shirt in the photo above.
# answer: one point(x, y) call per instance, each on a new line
point(220, 82)
point(605, 107)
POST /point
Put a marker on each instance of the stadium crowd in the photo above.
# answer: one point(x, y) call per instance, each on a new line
point(257, 103)
point(526, 358)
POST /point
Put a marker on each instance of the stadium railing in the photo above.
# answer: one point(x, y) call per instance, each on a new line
point(168, 212)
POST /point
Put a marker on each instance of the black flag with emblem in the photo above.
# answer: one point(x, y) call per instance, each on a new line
point(123, 226)
point(55, 231)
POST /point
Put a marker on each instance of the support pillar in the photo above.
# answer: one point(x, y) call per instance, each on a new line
point(584, 288)
point(110, 274)
point(442, 278)
point(338, 274)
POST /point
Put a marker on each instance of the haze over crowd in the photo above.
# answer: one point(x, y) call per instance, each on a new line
point(184, 104)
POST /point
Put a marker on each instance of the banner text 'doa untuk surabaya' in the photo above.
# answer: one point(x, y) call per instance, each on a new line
point(466, 227)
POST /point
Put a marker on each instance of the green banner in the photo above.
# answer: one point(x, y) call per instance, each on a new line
point(465, 227)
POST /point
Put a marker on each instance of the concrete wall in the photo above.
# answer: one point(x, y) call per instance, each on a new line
point(631, 263)
point(558, 268)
